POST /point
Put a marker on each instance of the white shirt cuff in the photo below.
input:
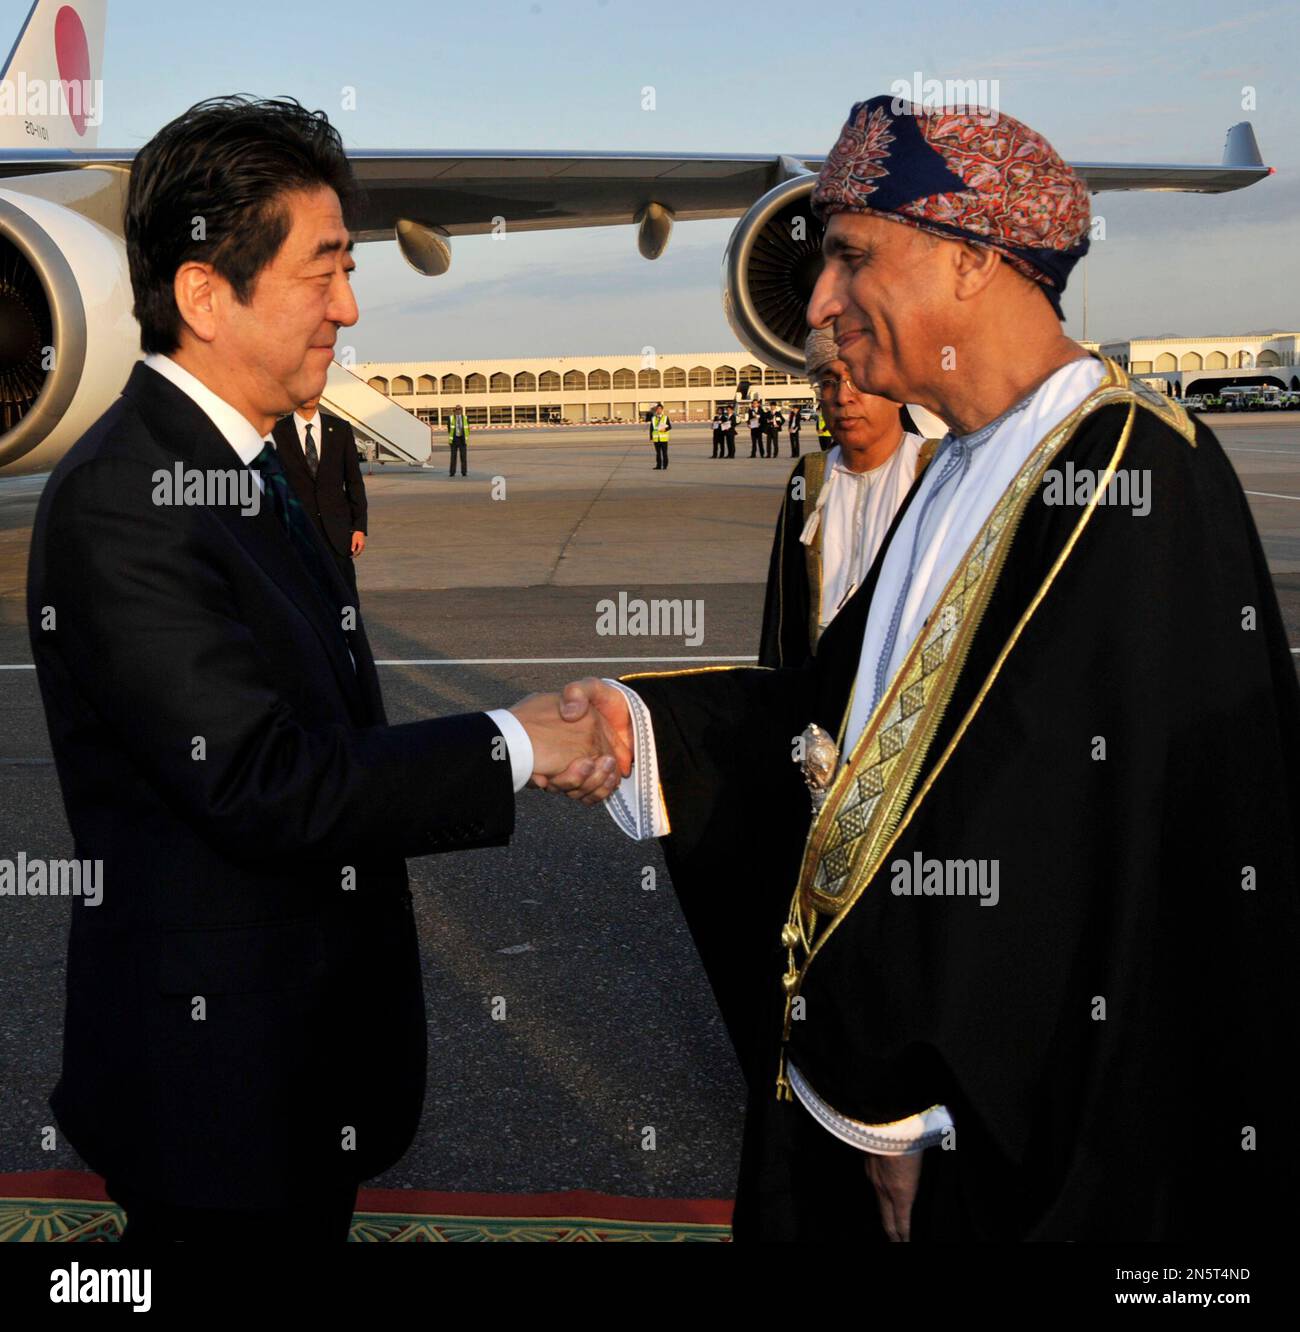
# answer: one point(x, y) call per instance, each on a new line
point(904, 1137)
point(518, 743)
point(637, 806)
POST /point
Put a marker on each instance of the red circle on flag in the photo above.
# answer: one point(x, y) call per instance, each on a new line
point(73, 54)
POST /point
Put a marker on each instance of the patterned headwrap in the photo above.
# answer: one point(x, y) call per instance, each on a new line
point(972, 175)
point(820, 349)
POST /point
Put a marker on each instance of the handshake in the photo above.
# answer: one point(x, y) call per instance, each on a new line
point(582, 739)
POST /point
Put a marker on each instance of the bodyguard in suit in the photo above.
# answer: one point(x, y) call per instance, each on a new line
point(767, 431)
point(318, 452)
point(729, 431)
point(245, 1030)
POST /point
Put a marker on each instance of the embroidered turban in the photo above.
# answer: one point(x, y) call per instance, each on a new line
point(974, 175)
point(820, 349)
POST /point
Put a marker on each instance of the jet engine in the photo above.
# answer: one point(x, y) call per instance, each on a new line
point(770, 267)
point(67, 335)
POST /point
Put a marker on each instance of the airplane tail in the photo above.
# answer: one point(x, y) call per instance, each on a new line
point(51, 87)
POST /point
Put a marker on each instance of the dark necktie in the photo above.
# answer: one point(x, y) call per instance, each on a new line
point(313, 460)
point(293, 518)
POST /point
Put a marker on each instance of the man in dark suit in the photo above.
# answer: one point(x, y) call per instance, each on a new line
point(245, 1031)
point(729, 431)
point(318, 452)
point(767, 431)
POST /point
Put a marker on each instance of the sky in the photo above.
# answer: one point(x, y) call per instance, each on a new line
point(1108, 81)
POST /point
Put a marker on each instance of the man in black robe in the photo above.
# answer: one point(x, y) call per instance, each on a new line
point(1031, 971)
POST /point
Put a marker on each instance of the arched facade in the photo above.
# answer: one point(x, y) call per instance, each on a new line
point(1183, 365)
point(526, 391)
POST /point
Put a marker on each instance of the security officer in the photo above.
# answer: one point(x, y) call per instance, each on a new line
point(660, 427)
point(824, 436)
point(755, 426)
point(457, 438)
point(717, 433)
point(796, 421)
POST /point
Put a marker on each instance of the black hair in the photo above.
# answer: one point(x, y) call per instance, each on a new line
point(209, 186)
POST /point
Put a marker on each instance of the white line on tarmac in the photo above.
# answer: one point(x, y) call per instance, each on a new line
point(1268, 494)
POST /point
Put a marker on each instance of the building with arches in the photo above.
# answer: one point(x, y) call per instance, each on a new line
point(1204, 364)
point(511, 391)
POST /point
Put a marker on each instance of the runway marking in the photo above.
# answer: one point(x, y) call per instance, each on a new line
point(1268, 494)
point(1246, 448)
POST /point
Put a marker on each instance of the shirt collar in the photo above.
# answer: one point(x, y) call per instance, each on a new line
point(838, 465)
point(236, 429)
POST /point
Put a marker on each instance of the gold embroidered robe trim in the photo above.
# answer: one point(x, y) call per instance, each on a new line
point(864, 811)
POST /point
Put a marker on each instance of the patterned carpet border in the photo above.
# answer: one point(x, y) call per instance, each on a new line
point(71, 1207)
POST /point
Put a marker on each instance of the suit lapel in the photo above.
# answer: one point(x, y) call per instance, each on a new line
point(288, 446)
point(181, 426)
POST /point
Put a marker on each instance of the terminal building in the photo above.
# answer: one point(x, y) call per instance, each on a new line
point(544, 390)
point(1205, 364)
point(541, 390)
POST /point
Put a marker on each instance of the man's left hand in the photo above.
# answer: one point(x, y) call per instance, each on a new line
point(358, 543)
point(895, 1179)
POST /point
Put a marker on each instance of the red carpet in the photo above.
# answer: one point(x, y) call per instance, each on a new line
point(71, 1207)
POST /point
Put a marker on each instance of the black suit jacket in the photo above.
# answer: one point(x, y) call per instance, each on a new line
point(336, 498)
point(244, 1008)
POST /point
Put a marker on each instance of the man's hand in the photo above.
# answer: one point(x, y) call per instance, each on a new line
point(358, 543)
point(895, 1180)
point(576, 749)
point(614, 717)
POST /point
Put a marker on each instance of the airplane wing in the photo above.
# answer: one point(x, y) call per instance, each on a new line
point(471, 193)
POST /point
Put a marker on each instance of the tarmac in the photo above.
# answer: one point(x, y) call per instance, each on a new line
point(476, 590)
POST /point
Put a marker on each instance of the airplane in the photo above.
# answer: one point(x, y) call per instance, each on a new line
point(67, 335)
